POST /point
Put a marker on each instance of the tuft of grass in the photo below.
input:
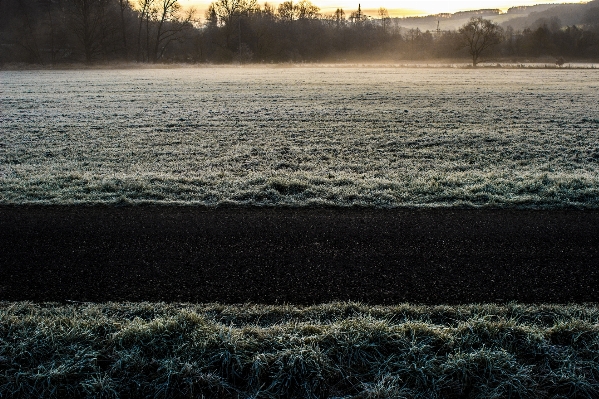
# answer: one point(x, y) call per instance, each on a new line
point(336, 350)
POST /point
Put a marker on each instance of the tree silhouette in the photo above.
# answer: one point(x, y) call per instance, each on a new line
point(384, 15)
point(228, 10)
point(478, 35)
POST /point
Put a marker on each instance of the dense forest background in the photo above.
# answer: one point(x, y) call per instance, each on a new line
point(149, 31)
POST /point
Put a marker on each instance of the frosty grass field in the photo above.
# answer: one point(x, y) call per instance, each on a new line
point(379, 137)
point(272, 136)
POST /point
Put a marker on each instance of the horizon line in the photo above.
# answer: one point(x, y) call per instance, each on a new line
point(328, 7)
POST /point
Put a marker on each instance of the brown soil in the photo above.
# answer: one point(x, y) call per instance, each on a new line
point(298, 256)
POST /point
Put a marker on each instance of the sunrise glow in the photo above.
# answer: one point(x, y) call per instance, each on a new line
point(402, 8)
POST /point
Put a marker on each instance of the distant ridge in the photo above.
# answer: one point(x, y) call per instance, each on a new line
point(518, 17)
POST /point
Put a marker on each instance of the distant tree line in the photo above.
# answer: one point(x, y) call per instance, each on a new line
point(66, 31)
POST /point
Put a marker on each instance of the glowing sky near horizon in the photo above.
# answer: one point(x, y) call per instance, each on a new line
point(398, 8)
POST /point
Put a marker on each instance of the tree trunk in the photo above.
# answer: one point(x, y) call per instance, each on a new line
point(142, 12)
point(158, 33)
point(124, 4)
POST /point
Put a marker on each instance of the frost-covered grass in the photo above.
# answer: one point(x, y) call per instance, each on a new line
point(381, 137)
point(157, 350)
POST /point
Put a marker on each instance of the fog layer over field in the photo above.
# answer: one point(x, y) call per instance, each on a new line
point(381, 137)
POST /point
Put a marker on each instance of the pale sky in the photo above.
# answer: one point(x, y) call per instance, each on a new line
point(398, 8)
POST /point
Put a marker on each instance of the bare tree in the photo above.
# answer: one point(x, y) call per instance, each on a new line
point(166, 12)
point(230, 13)
point(306, 10)
point(261, 27)
point(286, 11)
point(211, 17)
point(27, 33)
point(478, 35)
point(228, 10)
point(339, 16)
point(123, 7)
point(145, 9)
point(384, 14)
point(301, 10)
point(268, 10)
point(89, 23)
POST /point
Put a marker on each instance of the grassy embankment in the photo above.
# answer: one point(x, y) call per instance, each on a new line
point(333, 350)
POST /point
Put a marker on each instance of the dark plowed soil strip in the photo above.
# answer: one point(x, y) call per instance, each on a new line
point(298, 256)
